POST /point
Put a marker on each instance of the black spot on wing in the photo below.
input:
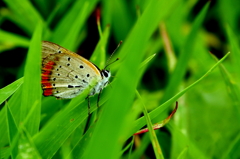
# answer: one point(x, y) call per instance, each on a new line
point(84, 81)
point(70, 86)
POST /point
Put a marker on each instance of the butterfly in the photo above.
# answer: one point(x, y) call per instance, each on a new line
point(66, 74)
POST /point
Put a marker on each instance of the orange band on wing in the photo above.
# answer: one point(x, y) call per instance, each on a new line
point(48, 92)
point(49, 65)
point(46, 85)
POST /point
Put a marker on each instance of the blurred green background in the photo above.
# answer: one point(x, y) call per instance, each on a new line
point(167, 46)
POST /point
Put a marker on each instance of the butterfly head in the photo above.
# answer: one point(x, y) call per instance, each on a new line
point(102, 83)
point(105, 76)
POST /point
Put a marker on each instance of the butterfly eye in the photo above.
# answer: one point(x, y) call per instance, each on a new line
point(105, 73)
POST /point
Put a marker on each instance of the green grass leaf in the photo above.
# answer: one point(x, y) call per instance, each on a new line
point(235, 50)
point(67, 31)
point(26, 146)
point(152, 134)
point(13, 132)
point(14, 105)
point(25, 15)
point(13, 39)
point(231, 85)
point(62, 125)
point(157, 112)
point(185, 55)
point(31, 92)
point(208, 112)
point(111, 122)
point(7, 91)
point(99, 55)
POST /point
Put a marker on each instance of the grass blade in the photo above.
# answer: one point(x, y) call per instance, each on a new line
point(153, 137)
point(157, 112)
point(232, 88)
point(25, 15)
point(111, 122)
point(235, 50)
point(31, 92)
point(13, 39)
point(62, 126)
point(76, 17)
point(7, 91)
point(99, 55)
point(13, 131)
point(184, 57)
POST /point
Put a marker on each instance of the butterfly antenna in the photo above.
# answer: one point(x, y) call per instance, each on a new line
point(111, 63)
point(107, 64)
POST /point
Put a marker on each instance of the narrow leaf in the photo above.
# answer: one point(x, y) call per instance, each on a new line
point(7, 91)
point(31, 92)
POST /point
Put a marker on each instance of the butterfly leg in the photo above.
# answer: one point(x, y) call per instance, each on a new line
point(99, 98)
point(88, 105)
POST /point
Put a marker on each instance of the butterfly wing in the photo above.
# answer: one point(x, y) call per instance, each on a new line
point(65, 74)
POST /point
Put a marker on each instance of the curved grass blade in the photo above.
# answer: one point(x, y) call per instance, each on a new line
point(156, 112)
point(25, 15)
point(153, 137)
point(159, 124)
point(7, 91)
point(77, 15)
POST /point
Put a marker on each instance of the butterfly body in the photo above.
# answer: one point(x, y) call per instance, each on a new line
point(66, 74)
